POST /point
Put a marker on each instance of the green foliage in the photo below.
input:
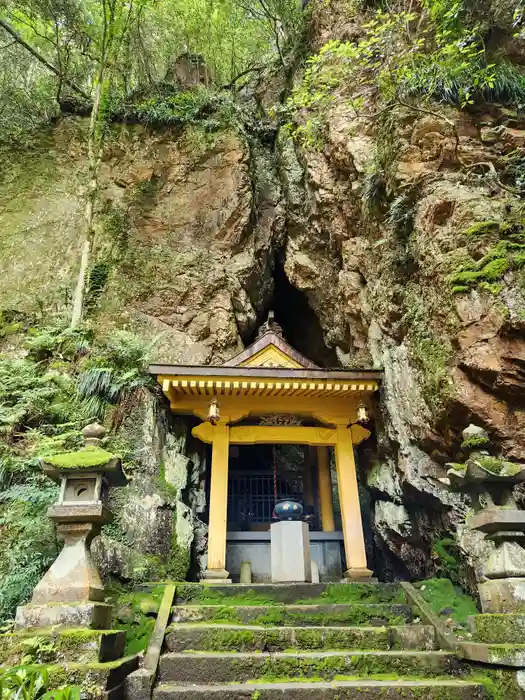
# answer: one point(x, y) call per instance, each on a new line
point(136, 613)
point(45, 400)
point(439, 55)
point(445, 552)
point(126, 47)
point(24, 683)
point(199, 105)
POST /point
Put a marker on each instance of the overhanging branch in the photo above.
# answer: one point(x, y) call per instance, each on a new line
point(36, 54)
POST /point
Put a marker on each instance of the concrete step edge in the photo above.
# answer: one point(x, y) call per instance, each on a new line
point(321, 628)
point(357, 683)
point(307, 654)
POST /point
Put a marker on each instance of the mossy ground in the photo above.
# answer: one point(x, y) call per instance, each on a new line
point(135, 613)
point(447, 600)
point(362, 593)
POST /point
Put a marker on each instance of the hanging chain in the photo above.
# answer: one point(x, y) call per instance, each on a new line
point(274, 464)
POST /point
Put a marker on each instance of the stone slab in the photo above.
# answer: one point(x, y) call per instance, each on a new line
point(139, 685)
point(296, 615)
point(291, 592)
point(291, 560)
point(241, 666)
point(89, 615)
point(327, 553)
point(512, 655)
point(492, 520)
point(502, 595)
point(338, 690)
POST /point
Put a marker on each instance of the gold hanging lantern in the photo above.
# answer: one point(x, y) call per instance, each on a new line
point(362, 414)
point(214, 413)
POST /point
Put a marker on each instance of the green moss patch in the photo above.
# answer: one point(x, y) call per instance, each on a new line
point(506, 254)
point(204, 638)
point(347, 593)
point(90, 456)
point(447, 600)
point(499, 629)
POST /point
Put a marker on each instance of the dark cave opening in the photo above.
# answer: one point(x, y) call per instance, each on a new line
point(300, 324)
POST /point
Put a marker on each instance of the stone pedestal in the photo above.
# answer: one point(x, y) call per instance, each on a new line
point(71, 590)
point(291, 562)
point(504, 595)
point(216, 576)
point(84, 614)
point(74, 575)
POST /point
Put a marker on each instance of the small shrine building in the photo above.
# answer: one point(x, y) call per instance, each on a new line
point(271, 395)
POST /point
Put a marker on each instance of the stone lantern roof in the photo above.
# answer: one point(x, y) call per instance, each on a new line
point(90, 459)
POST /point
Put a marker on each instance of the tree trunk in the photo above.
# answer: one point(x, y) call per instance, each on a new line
point(16, 36)
point(94, 155)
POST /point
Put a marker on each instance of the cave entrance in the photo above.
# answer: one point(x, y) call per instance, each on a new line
point(257, 408)
point(298, 321)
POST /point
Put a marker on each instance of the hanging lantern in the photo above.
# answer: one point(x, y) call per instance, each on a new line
point(214, 413)
point(362, 414)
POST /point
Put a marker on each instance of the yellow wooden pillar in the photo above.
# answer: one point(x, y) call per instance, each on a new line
point(218, 504)
point(350, 506)
point(325, 489)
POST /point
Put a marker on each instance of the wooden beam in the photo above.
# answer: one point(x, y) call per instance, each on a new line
point(280, 435)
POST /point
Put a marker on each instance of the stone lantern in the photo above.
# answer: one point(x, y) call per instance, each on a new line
point(71, 592)
point(490, 482)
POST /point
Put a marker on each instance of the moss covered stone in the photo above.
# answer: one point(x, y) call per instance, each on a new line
point(297, 615)
point(89, 456)
point(135, 613)
point(61, 645)
point(498, 628)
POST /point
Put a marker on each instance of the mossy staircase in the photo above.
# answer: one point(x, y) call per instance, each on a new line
point(329, 641)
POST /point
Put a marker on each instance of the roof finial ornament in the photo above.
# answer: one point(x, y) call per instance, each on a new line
point(271, 326)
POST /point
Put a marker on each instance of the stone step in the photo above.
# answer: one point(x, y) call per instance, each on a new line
point(200, 667)
point(439, 689)
point(376, 614)
point(317, 593)
point(183, 637)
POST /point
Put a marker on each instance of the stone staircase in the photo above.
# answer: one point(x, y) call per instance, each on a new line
point(329, 641)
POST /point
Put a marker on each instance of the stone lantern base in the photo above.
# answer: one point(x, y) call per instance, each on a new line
point(95, 616)
point(71, 592)
point(504, 595)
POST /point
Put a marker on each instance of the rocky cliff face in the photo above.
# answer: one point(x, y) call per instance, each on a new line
point(201, 234)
